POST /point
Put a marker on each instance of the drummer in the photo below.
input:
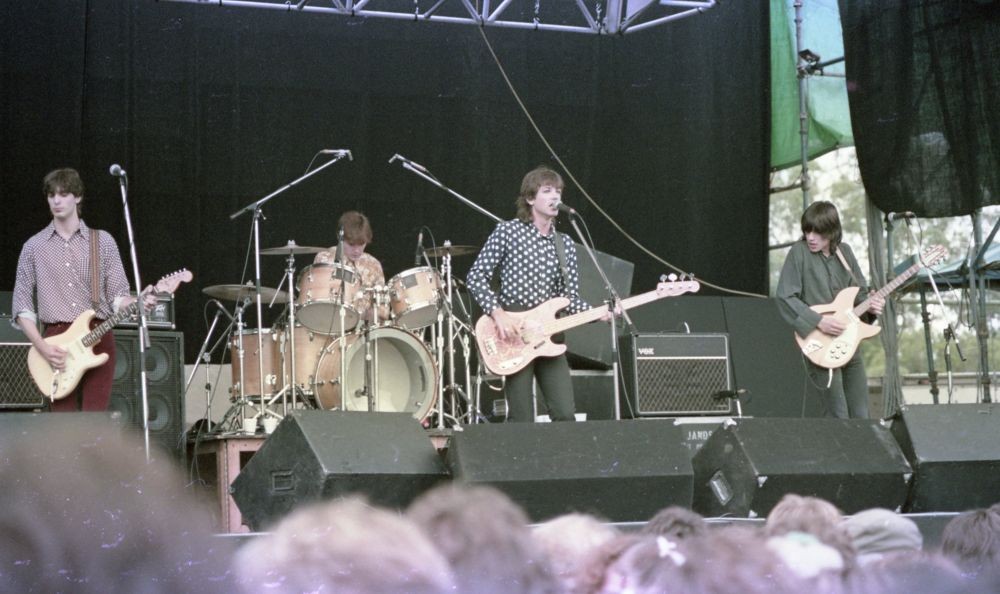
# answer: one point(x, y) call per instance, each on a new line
point(357, 236)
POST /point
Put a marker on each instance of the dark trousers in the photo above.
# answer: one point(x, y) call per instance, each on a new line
point(556, 385)
point(847, 396)
point(93, 393)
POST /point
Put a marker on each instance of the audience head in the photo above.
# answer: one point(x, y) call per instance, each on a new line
point(343, 546)
point(568, 540)
point(877, 532)
point(676, 523)
point(972, 540)
point(595, 566)
point(811, 515)
point(722, 561)
point(485, 537)
point(909, 572)
point(82, 510)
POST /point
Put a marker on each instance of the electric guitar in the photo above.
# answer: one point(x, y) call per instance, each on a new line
point(832, 352)
point(78, 340)
point(537, 325)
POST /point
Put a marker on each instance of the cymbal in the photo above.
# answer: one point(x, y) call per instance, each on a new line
point(454, 250)
point(240, 292)
point(291, 248)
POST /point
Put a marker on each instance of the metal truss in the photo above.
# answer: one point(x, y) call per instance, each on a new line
point(598, 17)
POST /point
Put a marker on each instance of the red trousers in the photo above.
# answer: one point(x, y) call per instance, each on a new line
point(93, 393)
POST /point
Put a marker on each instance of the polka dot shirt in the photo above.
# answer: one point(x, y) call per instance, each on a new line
point(529, 269)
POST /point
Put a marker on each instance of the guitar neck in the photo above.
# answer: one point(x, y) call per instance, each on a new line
point(888, 288)
point(595, 313)
point(101, 329)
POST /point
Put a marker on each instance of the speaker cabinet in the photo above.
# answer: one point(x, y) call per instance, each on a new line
point(164, 385)
point(620, 470)
point(676, 374)
point(17, 389)
point(748, 465)
point(955, 453)
point(315, 455)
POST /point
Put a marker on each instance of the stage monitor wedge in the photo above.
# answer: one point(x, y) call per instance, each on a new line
point(619, 470)
point(317, 455)
point(955, 453)
point(748, 465)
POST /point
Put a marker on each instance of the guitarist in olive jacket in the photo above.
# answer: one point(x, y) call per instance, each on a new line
point(813, 274)
point(55, 268)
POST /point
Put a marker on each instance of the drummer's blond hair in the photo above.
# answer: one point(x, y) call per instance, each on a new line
point(356, 227)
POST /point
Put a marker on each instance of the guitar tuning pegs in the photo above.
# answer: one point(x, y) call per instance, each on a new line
point(672, 277)
point(663, 278)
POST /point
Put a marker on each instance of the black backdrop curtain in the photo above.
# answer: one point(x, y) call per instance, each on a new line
point(210, 108)
point(924, 90)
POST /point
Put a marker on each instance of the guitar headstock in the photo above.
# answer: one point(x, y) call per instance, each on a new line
point(933, 255)
point(169, 283)
point(671, 286)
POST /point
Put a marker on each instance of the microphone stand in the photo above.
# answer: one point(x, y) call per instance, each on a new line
point(255, 208)
point(204, 355)
point(613, 302)
point(143, 328)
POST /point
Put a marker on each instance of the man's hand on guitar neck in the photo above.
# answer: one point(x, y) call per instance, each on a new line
point(831, 325)
point(876, 304)
point(507, 325)
point(148, 299)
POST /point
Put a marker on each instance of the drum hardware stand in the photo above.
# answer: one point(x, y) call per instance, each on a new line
point(256, 209)
point(242, 403)
point(205, 355)
point(290, 385)
point(464, 330)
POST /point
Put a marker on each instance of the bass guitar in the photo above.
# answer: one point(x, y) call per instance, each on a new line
point(537, 325)
point(832, 352)
point(78, 341)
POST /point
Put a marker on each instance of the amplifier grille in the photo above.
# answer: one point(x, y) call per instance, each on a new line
point(17, 390)
point(676, 374)
point(680, 385)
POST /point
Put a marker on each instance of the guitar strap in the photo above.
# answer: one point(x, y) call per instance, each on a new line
point(843, 260)
point(95, 281)
point(561, 254)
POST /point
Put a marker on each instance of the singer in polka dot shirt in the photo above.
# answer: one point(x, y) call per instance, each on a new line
point(524, 252)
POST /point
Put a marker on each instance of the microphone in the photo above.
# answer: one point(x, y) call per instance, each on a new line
point(222, 308)
point(724, 394)
point(340, 246)
point(116, 170)
point(338, 152)
point(420, 248)
point(905, 215)
point(564, 208)
point(406, 162)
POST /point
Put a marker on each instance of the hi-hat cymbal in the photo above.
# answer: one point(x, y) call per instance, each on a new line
point(291, 248)
point(240, 292)
point(454, 250)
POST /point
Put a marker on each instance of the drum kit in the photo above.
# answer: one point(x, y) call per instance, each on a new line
point(339, 345)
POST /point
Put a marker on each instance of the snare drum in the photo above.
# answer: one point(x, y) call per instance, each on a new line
point(308, 347)
point(405, 375)
point(415, 296)
point(319, 301)
point(251, 355)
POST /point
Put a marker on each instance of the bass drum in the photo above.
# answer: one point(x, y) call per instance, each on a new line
point(404, 374)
